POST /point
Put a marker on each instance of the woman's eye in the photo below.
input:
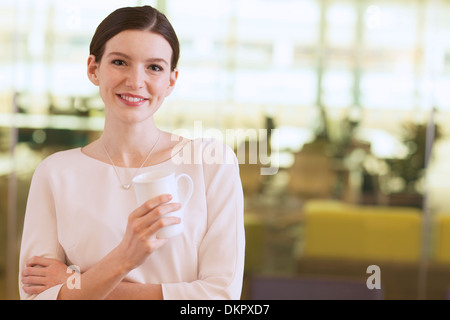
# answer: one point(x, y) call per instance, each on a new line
point(155, 67)
point(118, 62)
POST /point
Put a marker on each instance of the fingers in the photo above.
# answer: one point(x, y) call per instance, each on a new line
point(32, 280)
point(157, 218)
point(160, 211)
point(42, 273)
point(150, 205)
point(34, 274)
point(33, 271)
point(39, 261)
point(161, 223)
point(152, 214)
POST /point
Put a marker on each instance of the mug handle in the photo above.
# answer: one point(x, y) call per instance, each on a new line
point(190, 187)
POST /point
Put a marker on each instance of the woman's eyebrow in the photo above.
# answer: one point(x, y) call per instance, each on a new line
point(121, 54)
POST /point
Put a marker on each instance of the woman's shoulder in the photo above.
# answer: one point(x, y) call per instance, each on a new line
point(64, 155)
point(62, 158)
point(215, 151)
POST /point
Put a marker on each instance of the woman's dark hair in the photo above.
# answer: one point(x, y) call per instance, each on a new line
point(134, 18)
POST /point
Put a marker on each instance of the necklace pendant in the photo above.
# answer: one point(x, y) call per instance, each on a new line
point(128, 186)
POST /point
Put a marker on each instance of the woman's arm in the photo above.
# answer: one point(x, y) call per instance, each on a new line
point(98, 281)
point(101, 279)
point(221, 251)
point(39, 237)
point(43, 273)
point(138, 243)
point(136, 291)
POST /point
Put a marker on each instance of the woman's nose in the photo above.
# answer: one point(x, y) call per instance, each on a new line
point(135, 78)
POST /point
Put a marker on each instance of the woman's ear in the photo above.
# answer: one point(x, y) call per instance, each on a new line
point(92, 70)
point(173, 79)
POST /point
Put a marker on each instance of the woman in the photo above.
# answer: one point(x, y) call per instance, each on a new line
point(81, 206)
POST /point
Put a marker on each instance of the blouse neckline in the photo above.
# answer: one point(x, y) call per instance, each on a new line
point(124, 168)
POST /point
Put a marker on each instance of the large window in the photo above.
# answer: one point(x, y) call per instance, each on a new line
point(352, 82)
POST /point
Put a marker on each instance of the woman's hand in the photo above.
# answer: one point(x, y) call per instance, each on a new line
point(143, 224)
point(43, 273)
point(137, 244)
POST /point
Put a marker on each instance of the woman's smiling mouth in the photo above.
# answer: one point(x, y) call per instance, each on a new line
point(131, 100)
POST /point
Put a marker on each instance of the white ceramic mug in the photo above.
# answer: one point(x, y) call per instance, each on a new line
point(151, 184)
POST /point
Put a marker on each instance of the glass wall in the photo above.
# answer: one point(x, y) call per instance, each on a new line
point(348, 88)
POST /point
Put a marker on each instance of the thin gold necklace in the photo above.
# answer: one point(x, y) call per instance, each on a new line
point(127, 186)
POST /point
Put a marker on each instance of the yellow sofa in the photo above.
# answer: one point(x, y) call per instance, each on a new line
point(441, 238)
point(254, 245)
point(337, 230)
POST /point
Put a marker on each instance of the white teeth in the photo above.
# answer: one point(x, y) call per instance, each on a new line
point(131, 99)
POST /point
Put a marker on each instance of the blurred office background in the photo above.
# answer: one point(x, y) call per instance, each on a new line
point(357, 90)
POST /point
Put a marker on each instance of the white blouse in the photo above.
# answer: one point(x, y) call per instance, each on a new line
point(77, 212)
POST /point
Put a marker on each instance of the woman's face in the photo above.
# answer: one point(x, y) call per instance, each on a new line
point(134, 74)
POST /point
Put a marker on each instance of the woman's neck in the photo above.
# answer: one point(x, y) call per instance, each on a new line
point(128, 146)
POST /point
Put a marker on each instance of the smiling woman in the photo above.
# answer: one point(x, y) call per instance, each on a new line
point(82, 210)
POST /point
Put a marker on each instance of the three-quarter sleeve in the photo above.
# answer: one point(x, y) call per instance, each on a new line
point(221, 252)
point(40, 237)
